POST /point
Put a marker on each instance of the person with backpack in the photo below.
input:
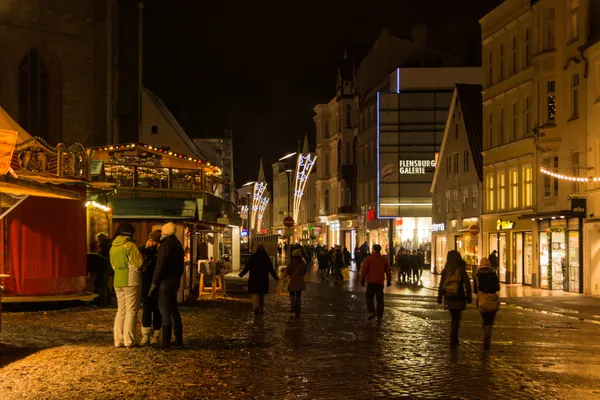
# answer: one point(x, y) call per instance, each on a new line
point(487, 286)
point(455, 291)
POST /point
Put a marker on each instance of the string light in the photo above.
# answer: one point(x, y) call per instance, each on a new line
point(93, 204)
point(580, 179)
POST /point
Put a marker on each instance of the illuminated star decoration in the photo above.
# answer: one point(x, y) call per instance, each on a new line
point(259, 189)
point(261, 211)
point(303, 169)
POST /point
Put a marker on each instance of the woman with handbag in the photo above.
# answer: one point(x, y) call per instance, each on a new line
point(487, 286)
point(296, 270)
point(455, 290)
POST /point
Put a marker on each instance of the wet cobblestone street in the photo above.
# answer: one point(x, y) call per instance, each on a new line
point(330, 352)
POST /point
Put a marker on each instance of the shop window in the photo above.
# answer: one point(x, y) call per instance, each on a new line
point(501, 191)
point(152, 178)
point(527, 178)
point(122, 175)
point(550, 183)
point(466, 160)
point(551, 101)
point(186, 179)
point(574, 20)
point(491, 193)
point(514, 189)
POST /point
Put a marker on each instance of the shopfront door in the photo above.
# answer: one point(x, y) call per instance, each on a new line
point(498, 243)
point(518, 260)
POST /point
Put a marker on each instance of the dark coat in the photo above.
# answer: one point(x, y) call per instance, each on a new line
point(486, 281)
point(259, 266)
point(169, 262)
point(464, 296)
point(150, 256)
point(347, 258)
point(493, 260)
point(296, 271)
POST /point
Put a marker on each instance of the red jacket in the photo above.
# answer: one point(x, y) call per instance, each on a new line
point(376, 268)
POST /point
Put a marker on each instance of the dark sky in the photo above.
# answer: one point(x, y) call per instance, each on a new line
point(259, 67)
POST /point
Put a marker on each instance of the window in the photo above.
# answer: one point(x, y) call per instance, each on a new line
point(501, 191)
point(575, 162)
point(447, 208)
point(491, 193)
point(515, 121)
point(187, 179)
point(466, 161)
point(501, 128)
point(574, 20)
point(514, 55)
point(348, 116)
point(154, 130)
point(455, 163)
point(501, 62)
point(550, 183)
point(465, 199)
point(448, 166)
point(475, 192)
point(551, 96)
point(527, 47)
point(514, 188)
point(491, 131)
point(158, 178)
point(122, 175)
point(455, 200)
point(575, 96)
point(527, 129)
point(34, 97)
point(527, 176)
point(548, 25)
point(490, 67)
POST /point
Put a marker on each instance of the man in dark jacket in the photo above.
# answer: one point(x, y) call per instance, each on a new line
point(259, 266)
point(151, 318)
point(167, 278)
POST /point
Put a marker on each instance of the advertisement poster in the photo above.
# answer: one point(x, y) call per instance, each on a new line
point(8, 139)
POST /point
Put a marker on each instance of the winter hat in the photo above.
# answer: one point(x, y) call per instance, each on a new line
point(168, 229)
point(484, 262)
point(297, 253)
point(126, 229)
point(155, 235)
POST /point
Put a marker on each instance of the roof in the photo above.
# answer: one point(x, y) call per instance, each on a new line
point(471, 105)
point(8, 123)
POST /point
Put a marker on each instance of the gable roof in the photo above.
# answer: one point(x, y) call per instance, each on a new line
point(471, 105)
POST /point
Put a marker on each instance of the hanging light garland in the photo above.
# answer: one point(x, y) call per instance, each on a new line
point(585, 179)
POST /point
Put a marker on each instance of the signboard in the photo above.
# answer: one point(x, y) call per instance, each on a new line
point(288, 222)
point(223, 221)
point(370, 215)
point(348, 224)
point(474, 230)
point(134, 157)
point(438, 227)
point(8, 139)
point(504, 225)
point(579, 207)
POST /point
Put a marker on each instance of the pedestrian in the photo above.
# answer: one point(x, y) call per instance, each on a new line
point(399, 257)
point(486, 286)
point(338, 264)
point(259, 266)
point(98, 271)
point(376, 269)
point(416, 266)
point(151, 317)
point(357, 258)
point(126, 261)
point(455, 291)
point(404, 265)
point(296, 271)
point(166, 280)
point(323, 260)
point(493, 259)
point(347, 257)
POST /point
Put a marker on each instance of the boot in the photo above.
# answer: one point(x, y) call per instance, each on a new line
point(166, 338)
point(178, 330)
point(146, 333)
point(155, 339)
point(487, 337)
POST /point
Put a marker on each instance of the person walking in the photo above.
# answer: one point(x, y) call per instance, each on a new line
point(486, 286)
point(296, 271)
point(347, 258)
point(357, 258)
point(455, 291)
point(338, 264)
point(493, 259)
point(323, 259)
point(259, 266)
point(126, 261)
point(166, 279)
point(151, 318)
point(376, 269)
point(416, 266)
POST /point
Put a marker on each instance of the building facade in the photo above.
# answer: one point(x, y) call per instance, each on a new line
point(457, 182)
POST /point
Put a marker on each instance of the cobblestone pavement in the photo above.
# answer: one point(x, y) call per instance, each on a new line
point(330, 352)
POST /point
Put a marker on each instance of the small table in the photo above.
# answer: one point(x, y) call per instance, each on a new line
point(2, 276)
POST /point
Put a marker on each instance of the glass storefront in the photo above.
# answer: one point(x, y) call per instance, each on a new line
point(440, 253)
point(414, 234)
point(468, 247)
point(498, 243)
point(522, 258)
point(560, 254)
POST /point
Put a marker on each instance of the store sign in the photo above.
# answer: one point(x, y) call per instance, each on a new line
point(415, 167)
point(371, 215)
point(134, 156)
point(438, 227)
point(244, 233)
point(264, 232)
point(504, 225)
point(348, 224)
point(578, 207)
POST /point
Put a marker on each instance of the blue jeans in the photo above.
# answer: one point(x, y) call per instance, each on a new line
point(169, 309)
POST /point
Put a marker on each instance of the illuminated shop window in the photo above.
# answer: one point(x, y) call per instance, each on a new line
point(122, 175)
point(152, 178)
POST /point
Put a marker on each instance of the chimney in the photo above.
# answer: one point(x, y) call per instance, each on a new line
point(419, 36)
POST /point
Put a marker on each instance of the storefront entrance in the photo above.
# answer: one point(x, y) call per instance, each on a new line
point(498, 243)
point(522, 258)
point(560, 258)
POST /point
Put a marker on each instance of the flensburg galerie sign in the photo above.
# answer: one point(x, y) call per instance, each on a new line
point(415, 167)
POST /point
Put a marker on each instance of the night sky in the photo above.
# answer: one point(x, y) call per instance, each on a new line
point(260, 67)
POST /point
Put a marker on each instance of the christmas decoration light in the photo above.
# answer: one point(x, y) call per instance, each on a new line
point(259, 189)
point(261, 211)
point(586, 179)
point(93, 204)
point(303, 169)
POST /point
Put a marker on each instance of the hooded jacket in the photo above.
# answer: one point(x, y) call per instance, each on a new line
point(169, 262)
point(126, 260)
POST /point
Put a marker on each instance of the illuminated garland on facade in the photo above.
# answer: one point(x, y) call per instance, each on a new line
point(259, 189)
point(303, 169)
point(587, 179)
point(261, 211)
